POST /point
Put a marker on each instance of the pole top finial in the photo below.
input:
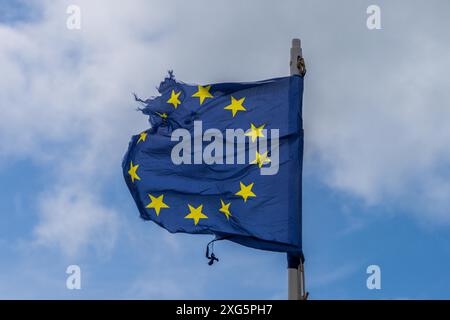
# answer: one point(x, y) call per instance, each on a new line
point(296, 43)
point(297, 64)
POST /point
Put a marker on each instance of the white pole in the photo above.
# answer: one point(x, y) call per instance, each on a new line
point(296, 277)
point(293, 284)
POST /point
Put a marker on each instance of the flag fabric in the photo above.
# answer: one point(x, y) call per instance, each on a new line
point(188, 173)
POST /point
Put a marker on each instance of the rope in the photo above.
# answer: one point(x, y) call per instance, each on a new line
point(211, 256)
point(301, 66)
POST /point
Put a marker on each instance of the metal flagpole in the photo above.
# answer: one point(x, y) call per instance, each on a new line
point(296, 276)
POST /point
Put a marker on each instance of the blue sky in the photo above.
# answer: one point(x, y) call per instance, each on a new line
point(376, 178)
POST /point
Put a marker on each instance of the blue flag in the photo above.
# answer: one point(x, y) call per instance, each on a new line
point(222, 159)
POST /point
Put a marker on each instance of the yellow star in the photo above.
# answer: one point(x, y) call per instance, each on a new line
point(255, 132)
point(203, 93)
point(225, 209)
point(142, 137)
point(261, 159)
point(132, 172)
point(246, 191)
point(196, 214)
point(157, 203)
point(235, 106)
point(174, 99)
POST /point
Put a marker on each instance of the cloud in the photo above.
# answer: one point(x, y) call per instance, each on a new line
point(66, 104)
point(380, 127)
point(73, 220)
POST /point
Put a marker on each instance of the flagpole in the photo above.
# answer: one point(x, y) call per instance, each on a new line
point(296, 271)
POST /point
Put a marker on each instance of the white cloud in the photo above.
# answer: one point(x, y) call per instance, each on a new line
point(73, 220)
point(382, 134)
point(66, 102)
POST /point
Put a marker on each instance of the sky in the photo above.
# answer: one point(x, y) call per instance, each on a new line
point(376, 165)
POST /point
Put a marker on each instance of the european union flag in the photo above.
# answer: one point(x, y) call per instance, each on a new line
point(222, 159)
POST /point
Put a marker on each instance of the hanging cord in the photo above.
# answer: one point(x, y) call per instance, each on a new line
point(301, 270)
point(211, 256)
point(303, 293)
